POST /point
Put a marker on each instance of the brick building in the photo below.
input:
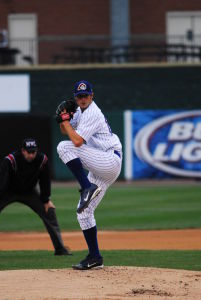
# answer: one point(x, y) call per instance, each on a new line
point(51, 31)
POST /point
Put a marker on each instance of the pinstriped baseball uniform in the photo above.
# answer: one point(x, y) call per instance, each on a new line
point(101, 155)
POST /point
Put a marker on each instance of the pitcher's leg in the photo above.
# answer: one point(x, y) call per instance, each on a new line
point(70, 155)
point(88, 225)
point(86, 219)
point(103, 164)
point(104, 168)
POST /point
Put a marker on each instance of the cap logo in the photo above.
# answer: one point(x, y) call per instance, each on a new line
point(82, 86)
point(31, 144)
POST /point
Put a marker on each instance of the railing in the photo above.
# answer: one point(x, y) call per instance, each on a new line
point(98, 49)
point(125, 54)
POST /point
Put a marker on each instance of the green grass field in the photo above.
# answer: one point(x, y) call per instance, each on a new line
point(188, 260)
point(123, 208)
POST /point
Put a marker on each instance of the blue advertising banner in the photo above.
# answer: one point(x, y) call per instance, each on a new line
point(165, 144)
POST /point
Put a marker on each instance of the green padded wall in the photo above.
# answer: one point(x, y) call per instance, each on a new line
point(117, 88)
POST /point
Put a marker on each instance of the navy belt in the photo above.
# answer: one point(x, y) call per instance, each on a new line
point(117, 153)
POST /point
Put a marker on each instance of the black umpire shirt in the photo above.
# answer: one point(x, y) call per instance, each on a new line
point(20, 176)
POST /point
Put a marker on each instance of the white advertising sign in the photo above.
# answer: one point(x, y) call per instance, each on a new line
point(15, 93)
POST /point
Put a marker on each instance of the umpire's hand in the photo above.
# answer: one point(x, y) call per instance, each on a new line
point(48, 205)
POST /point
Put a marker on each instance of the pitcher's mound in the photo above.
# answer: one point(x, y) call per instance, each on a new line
point(119, 283)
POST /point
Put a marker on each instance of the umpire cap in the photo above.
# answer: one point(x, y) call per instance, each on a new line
point(30, 145)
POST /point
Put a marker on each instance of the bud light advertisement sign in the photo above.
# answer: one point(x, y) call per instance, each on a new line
point(166, 143)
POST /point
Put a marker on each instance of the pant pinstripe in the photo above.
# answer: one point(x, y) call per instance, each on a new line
point(103, 167)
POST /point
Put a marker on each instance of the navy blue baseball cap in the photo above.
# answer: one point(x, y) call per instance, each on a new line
point(30, 145)
point(83, 87)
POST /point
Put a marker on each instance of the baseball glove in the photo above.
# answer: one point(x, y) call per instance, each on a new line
point(66, 110)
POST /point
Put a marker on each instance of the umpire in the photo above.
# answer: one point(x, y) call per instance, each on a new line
point(20, 172)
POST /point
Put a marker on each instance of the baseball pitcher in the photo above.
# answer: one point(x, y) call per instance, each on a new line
point(93, 147)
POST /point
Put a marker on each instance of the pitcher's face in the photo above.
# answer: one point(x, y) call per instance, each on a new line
point(83, 100)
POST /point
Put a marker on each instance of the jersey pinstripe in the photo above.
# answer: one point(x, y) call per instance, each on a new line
point(93, 127)
point(96, 154)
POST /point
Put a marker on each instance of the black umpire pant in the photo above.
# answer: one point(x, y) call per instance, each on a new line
point(49, 218)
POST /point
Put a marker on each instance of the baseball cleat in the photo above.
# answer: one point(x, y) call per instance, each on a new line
point(89, 263)
point(87, 195)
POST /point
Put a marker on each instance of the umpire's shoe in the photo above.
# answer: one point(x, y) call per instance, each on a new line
point(87, 195)
point(62, 251)
point(89, 263)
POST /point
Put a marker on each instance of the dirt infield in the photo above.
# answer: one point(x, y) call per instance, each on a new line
point(108, 240)
point(110, 283)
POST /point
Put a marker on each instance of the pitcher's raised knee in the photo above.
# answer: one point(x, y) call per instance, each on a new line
point(66, 151)
point(61, 147)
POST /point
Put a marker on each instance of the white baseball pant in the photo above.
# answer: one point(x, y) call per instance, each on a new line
point(104, 168)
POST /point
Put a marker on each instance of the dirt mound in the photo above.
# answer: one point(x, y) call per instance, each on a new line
point(115, 283)
point(119, 283)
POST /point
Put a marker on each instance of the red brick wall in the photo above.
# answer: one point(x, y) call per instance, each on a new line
point(81, 17)
point(62, 16)
point(90, 17)
point(149, 16)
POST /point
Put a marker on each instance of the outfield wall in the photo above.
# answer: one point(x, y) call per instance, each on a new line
point(117, 88)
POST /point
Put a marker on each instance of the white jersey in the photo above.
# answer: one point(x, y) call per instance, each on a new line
point(97, 155)
point(93, 127)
